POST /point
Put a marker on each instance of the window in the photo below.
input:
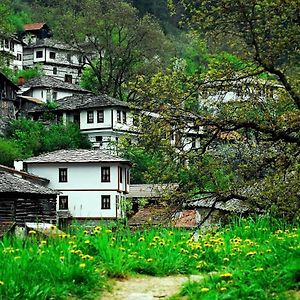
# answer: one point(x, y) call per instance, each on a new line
point(99, 139)
point(54, 70)
point(105, 202)
point(120, 174)
point(124, 117)
point(105, 174)
point(19, 56)
point(52, 55)
point(100, 116)
point(68, 78)
point(39, 54)
point(54, 95)
point(63, 202)
point(90, 116)
point(63, 175)
point(128, 176)
point(6, 43)
point(69, 58)
point(118, 116)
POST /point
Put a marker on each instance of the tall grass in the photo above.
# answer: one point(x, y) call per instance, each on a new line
point(256, 258)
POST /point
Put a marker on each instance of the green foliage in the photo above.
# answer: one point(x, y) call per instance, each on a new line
point(32, 138)
point(9, 151)
point(35, 71)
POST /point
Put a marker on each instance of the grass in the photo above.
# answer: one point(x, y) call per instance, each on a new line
point(252, 259)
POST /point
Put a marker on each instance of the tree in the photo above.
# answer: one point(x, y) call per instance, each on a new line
point(252, 141)
point(114, 41)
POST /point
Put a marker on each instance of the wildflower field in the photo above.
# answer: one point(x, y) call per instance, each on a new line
point(248, 259)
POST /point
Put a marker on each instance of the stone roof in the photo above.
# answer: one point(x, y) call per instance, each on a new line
point(50, 43)
point(76, 156)
point(232, 205)
point(150, 190)
point(85, 101)
point(52, 82)
point(13, 184)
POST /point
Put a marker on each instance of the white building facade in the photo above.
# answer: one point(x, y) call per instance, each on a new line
point(92, 183)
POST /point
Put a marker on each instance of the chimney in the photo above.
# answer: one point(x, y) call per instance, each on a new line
point(21, 81)
point(18, 164)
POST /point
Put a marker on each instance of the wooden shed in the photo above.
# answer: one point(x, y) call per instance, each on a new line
point(22, 201)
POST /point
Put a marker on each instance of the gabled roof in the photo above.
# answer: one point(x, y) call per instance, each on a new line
point(85, 101)
point(77, 156)
point(12, 184)
point(26, 175)
point(232, 205)
point(33, 26)
point(52, 82)
point(51, 43)
point(3, 77)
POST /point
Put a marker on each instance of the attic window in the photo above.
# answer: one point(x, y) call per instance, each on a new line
point(54, 70)
point(39, 54)
point(105, 174)
point(52, 55)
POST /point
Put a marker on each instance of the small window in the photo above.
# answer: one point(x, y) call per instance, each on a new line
point(19, 56)
point(63, 202)
point(105, 202)
point(128, 176)
point(99, 139)
point(68, 78)
point(54, 96)
point(52, 55)
point(100, 116)
point(6, 43)
point(121, 174)
point(39, 54)
point(117, 202)
point(63, 175)
point(118, 116)
point(90, 116)
point(105, 174)
point(54, 70)
point(69, 58)
point(124, 117)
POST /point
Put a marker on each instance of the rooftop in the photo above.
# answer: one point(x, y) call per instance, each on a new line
point(150, 190)
point(33, 26)
point(52, 82)
point(12, 184)
point(76, 156)
point(85, 101)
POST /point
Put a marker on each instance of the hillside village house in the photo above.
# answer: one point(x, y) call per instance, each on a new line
point(103, 118)
point(93, 183)
point(8, 95)
point(24, 201)
point(13, 49)
point(56, 59)
point(49, 88)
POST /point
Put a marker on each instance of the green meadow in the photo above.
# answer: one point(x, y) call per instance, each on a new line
point(247, 259)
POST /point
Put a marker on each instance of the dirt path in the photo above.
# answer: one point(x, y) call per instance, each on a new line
point(147, 287)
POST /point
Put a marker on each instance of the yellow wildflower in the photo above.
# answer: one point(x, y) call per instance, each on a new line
point(62, 258)
point(226, 275)
point(258, 269)
point(87, 242)
point(32, 232)
point(223, 289)
point(17, 257)
point(225, 259)
point(205, 289)
point(52, 227)
point(82, 265)
point(43, 242)
point(251, 253)
point(1, 282)
point(141, 239)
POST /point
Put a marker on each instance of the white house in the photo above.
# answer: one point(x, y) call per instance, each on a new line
point(13, 48)
point(56, 59)
point(49, 88)
point(92, 183)
point(103, 118)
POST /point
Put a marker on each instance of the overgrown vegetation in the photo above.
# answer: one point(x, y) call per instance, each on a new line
point(256, 258)
point(27, 138)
